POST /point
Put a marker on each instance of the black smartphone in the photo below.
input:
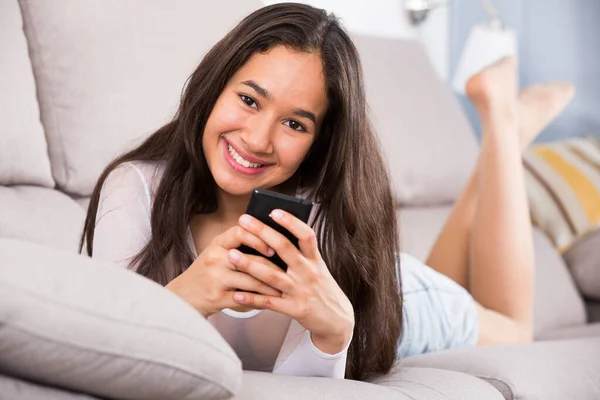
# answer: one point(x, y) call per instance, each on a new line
point(262, 202)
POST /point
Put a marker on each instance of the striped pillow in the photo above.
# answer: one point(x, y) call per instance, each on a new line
point(563, 187)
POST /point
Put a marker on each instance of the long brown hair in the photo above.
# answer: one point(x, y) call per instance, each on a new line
point(356, 218)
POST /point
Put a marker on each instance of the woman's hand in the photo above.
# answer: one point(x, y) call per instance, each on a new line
point(309, 294)
point(210, 282)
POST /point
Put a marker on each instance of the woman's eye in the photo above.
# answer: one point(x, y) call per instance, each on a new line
point(295, 125)
point(250, 102)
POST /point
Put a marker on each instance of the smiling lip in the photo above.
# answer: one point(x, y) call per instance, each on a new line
point(240, 168)
point(246, 157)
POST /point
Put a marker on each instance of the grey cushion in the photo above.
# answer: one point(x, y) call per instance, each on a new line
point(40, 215)
point(71, 322)
point(400, 383)
point(17, 389)
point(431, 383)
point(110, 72)
point(557, 301)
point(23, 149)
point(593, 310)
point(420, 227)
point(572, 332)
point(584, 261)
point(567, 369)
point(429, 143)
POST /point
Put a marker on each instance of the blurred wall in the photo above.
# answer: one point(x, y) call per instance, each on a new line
point(558, 40)
point(388, 18)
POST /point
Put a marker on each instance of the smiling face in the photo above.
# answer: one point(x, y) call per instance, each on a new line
point(265, 120)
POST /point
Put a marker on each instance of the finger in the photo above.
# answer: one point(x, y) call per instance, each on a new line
point(261, 302)
point(275, 240)
point(261, 269)
point(307, 239)
point(237, 236)
point(247, 283)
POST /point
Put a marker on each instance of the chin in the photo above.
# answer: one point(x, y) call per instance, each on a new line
point(235, 187)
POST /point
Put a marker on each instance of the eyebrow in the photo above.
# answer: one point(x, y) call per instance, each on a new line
point(265, 94)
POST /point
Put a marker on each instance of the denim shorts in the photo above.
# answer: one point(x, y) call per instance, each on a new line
point(438, 313)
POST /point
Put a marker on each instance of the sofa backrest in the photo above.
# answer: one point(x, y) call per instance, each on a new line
point(429, 143)
point(110, 72)
point(24, 155)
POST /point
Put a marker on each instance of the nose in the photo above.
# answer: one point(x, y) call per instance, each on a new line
point(258, 136)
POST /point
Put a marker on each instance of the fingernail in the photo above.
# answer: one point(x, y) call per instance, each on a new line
point(245, 220)
point(234, 255)
point(276, 214)
point(238, 297)
point(270, 252)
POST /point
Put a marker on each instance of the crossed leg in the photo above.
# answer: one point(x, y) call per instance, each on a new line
point(486, 243)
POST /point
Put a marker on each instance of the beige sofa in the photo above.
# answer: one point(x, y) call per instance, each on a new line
point(80, 82)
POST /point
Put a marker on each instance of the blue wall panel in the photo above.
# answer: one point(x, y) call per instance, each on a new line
point(558, 40)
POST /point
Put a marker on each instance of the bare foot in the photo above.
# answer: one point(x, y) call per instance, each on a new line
point(495, 87)
point(538, 105)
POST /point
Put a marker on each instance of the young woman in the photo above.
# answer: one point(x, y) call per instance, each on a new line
point(279, 103)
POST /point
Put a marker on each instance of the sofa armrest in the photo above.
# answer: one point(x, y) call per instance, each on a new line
point(568, 369)
point(398, 384)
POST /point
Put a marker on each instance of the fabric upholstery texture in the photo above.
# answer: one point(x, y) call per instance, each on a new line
point(572, 332)
point(105, 330)
point(563, 186)
point(400, 383)
point(109, 73)
point(17, 389)
point(567, 369)
point(593, 310)
point(430, 159)
point(583, 260)
point(557, 303)
point(24, 159)
point(419, 228)
point(40, 215)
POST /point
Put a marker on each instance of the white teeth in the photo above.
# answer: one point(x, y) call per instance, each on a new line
point(240, 160)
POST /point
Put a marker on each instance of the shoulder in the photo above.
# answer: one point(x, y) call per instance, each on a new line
point(133, 183)
point(139, 177)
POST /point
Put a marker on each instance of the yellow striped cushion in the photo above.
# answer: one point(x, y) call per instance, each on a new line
point(563, 186)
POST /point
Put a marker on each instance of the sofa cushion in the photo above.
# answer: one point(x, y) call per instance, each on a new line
point(405, 383)
point(23, 149)
point(558, 303)
point(111, 72)
point(566, 369)
point(557, 300)
point(572, 332)
point(593, 310)
point(432, 383)
point(18, 389)
point(583, 260)
point(69, 321)
point(420, 227)
point(40, 215)
point(563, 186)
point(429, 143)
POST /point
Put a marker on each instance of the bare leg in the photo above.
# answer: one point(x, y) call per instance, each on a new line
point(538, 105)
point(501, 247)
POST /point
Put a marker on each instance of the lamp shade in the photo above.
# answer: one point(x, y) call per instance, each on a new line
point(485, 45)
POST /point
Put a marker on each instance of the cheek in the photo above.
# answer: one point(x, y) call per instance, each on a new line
point(291, 153)
point(225, 117)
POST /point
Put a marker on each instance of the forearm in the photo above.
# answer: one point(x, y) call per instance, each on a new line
point(299, 356)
